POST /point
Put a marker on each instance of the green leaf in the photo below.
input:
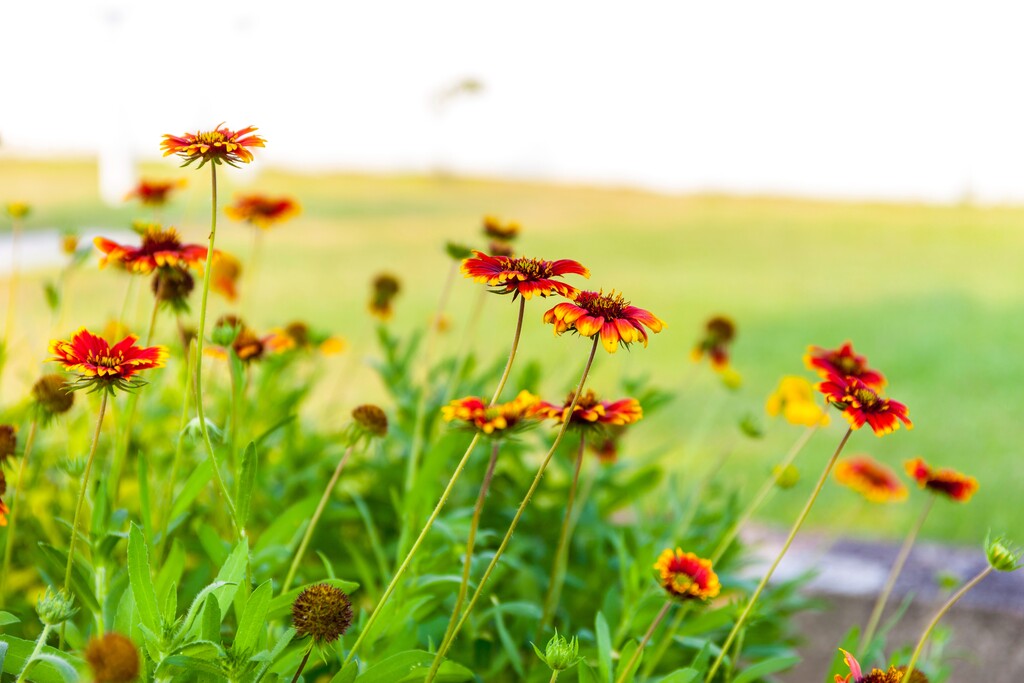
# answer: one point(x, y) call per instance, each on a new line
point(587, 675)
point(268, 657)
point(282, 604)
point(197, 604)
point(82, 578)
point(413, 665)
point(52, 295)
point(681, 676)
point(47, 670)
point(232, 573)
point(604, 648)
point(246, 484)
point(767, 667)
point(210, 629)
point(253, 621)
point(621, 673)
point(7, 618)
point(141, 582)
point(194, 485)
point(507, 642)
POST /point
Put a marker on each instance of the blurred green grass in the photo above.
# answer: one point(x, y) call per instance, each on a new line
point(932, 294)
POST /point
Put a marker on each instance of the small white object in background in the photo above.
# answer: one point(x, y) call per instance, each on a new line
point(43, 248)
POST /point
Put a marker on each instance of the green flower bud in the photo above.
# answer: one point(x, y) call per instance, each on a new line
point(560, 654)
point(457, 251)
point(55, 607)
point(786, 477)
point(751, 426)
point(226, 329)
point(1002, 556)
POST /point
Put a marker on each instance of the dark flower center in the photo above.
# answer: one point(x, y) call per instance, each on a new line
point(865, 397)
point(531, 267)
point(105, 361)
point(608, 306)
point(160, 240)
point(847, 364)
point(210, 137)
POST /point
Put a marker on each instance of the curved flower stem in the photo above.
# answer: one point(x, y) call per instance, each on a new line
point(81, 500)
point(12, 518)
point(554, 676)
point(512, 354)
point(938, 616)
point(778, 558)
point(762, 494)
point(31, 661)
point(562, 549)
point(441, 651)
point(470, 542)
point(302, 664)
point(643, 643)
point(165, 517)
point(897, 567)
point(313, 521)
point(667, 641)
point(207, 271)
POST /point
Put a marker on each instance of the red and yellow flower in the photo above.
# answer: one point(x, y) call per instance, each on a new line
point(505, 231)
point(861, 404)
point(686, 576)
point(719, 333)
point(794, 401)
point(226, 272)
point(590, 412)
point(221, 145)
point(161, 247)
point(893, 675)
point(948, 482)
point(608, 315)
point(262, 211)
point(497, 420)
point(522, 276)
point(842, 362)
point(102, 366)
point(154, 192)
point(871, 479)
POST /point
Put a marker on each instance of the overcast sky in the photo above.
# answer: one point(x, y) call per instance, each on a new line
point(906, 100)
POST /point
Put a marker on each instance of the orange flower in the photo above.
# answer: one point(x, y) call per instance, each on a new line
point(893, 675)
point(871, 479)
point(498, 420)
point(226, 272)
point(686, 576)
point(719, 332)
point(842, 362)
point(948, 482)
point(862, 404)
point(221, 145)
point(522, 276)
point(160, 247)
point(609, 315)
point(590, 412)
point(102, 366)
point(262, 211)
point(154, 192)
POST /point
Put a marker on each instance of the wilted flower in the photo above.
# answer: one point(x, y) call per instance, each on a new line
point(498, 420)
point(843, 362)
point(385, 288)
point(321, 612)
point(113, 658)
point(101, 366)
point(171, 287)
point(221, 145)
point(794, 400)
point(154, 192)
point(686, 576)
point(52, 395)
point(8, 441)
point(608, 315)
point(262, 211)
point(861, 404)
point(522, 276)
point(161, 247)
point(870, 478)
point(1001, 555)
point(55, 607)
point(948, 482)
point(591, 412)
point(560, 654)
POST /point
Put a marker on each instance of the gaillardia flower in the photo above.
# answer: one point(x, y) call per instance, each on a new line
point(101, 366)
point(112, 658)
point(794, 400)
point(591, 412)
point(225, 274)
point(686, 576)
point(948, 482)
point(161, 247)
point(842, 362)
point(893, 675)
point(322, 612)
point(8, 441)
point(719, 333)
point(522, 276)
point(154, 192)
point(498, 420)
point(262, 211)
point(861, 404)
point(871, 479)
point(504, 231)
point(384, 288)
point(221, 145)
point(609, 315)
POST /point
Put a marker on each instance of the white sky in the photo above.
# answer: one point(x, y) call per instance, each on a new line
point(907, 100)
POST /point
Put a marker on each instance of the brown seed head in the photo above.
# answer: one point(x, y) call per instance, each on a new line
point(322, 612)
point(371, 420)
point(113, 659)
point(52, 395)
point(8, 441)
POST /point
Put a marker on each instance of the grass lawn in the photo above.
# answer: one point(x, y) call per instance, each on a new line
point(933, 295)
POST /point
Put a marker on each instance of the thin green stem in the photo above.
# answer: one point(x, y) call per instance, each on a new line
point(766, 489)
point(938, 616)
point(165, 516)
point(522, 507)
point(470, 542)
point(12, 518)
point(554, 676)
point(666, 642)
point(321, 506)
point(31, 661)
point(512, 354)
point(778, 558)
point(643, 643)
point(302, 664)
point(200, 337)
point(894, 573)
point(558, 568)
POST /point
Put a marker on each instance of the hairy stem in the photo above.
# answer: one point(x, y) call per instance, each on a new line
point(643, 643)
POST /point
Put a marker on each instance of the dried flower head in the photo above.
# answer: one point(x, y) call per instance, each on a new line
point(861, 404)
point(794, 401)
point(591, 413)
point(8, 441)
point(371, 420)
point(385, 288)
point(608, 315)
point(522, 276)
point(155, 192)
point(55, 607)
point(498, 420)
point(161, 247)
point(843, 362)
point(261, 211)
point(221, 145)
point(171, 287)
point(945, 481)
point(102, 366)
point(113, 658)
point(871, 479)
point(686, 576)
point(321, 612)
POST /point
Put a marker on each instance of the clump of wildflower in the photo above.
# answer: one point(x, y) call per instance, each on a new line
point(161, 247)
point(592, 413)
point(522, 276)
point(1001, 554)
point(945, 481)
point(113, 658)
point(55, 607)
point(261, 211)
point(221, 145)
point(18, 210)
point(498, 420)
point(793, 399)
point(608, 315)
point(843, 362)
point(321, 612)
point(155, 192)
point(102, 366)
point(8, 441)
point(385, 288)
point(893, 675)
point(871, 479)
point(686, 576)
point(560, 653)
point(862, 405)
point(786, 477)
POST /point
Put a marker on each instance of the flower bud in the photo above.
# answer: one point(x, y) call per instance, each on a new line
point(1002, 556)
point(369, 421)
point(55, 607)
point(226, 329)
point(52, 395)
point(786, 477)
point(751, 426)
point(457, 251)
point(560, 654)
